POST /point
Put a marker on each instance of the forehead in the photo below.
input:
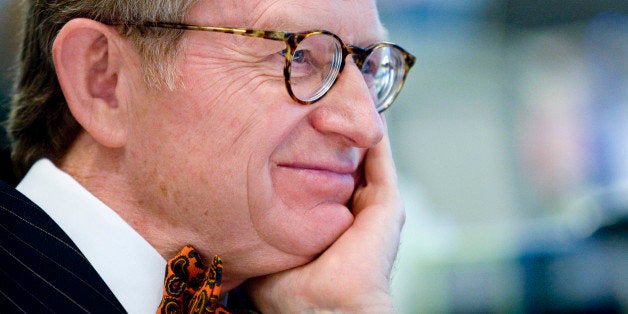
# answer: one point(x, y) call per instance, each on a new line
point(354, 21)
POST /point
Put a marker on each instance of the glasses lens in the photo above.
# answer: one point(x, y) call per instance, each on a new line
point(383, 71)
point(314, 66)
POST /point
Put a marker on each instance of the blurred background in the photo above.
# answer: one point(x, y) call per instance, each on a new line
point(511, 142)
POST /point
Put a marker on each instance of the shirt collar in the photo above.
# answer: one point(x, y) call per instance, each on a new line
point(128, 264)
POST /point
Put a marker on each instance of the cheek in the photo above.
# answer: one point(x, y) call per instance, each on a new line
point(188, 145)
point(296, 216)
point(290, 220)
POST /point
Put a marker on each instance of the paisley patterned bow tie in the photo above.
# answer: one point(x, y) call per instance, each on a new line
point(190, 286)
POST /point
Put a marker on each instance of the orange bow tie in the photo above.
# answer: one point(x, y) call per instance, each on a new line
point(190, 286)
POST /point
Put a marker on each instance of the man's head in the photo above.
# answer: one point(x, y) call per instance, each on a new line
point(224, 159)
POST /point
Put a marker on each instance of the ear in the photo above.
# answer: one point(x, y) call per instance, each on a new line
point(87, 58)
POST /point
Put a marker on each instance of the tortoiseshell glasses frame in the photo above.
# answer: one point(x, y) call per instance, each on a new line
point(395, 61)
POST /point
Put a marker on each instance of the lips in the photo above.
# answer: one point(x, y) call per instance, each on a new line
point(332, 173)
point(332, 168)
point(325, 182)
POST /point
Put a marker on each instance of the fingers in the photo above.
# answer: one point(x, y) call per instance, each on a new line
point(380, 183)
point(379, 167)
point(378, 207)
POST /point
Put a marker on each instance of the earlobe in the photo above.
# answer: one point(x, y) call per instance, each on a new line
point(87, 61)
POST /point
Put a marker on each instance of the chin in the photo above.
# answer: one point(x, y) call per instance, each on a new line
point(305, 233)
point(264, 263)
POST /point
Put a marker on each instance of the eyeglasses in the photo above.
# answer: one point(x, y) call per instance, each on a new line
point(315, 59)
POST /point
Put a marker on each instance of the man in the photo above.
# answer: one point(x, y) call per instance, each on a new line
point(144, 132)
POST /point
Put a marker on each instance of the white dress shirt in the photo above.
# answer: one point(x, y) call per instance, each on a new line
point(129, 265)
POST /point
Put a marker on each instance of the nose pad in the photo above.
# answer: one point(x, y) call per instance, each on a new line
point(357, 60)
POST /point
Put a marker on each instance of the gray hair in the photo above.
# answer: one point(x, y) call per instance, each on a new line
point(40, 123)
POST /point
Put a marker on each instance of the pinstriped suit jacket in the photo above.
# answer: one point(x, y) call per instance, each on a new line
point(41, 269)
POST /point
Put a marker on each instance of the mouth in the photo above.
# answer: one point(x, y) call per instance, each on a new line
point(316, 173)
point(334, 182)
point(332, 169)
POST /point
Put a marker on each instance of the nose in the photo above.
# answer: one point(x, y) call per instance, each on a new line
point(348, 111)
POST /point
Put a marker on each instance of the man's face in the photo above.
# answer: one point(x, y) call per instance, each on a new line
point(231, 161)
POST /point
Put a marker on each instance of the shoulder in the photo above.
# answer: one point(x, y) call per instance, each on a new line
point(10, 193)
point(10, 196)
point(41, 269)
point(17, 210)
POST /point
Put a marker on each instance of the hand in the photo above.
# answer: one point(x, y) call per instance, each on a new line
point(353, 274)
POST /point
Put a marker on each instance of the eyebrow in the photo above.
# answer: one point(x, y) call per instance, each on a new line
point(281, 24)
point(298, 25)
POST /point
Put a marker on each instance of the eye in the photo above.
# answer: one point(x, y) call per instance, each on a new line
point(298, 57)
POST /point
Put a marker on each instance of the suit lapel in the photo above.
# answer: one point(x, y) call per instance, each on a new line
point(41, 269)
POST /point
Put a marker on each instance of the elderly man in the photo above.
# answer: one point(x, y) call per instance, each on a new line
point(145, 126)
